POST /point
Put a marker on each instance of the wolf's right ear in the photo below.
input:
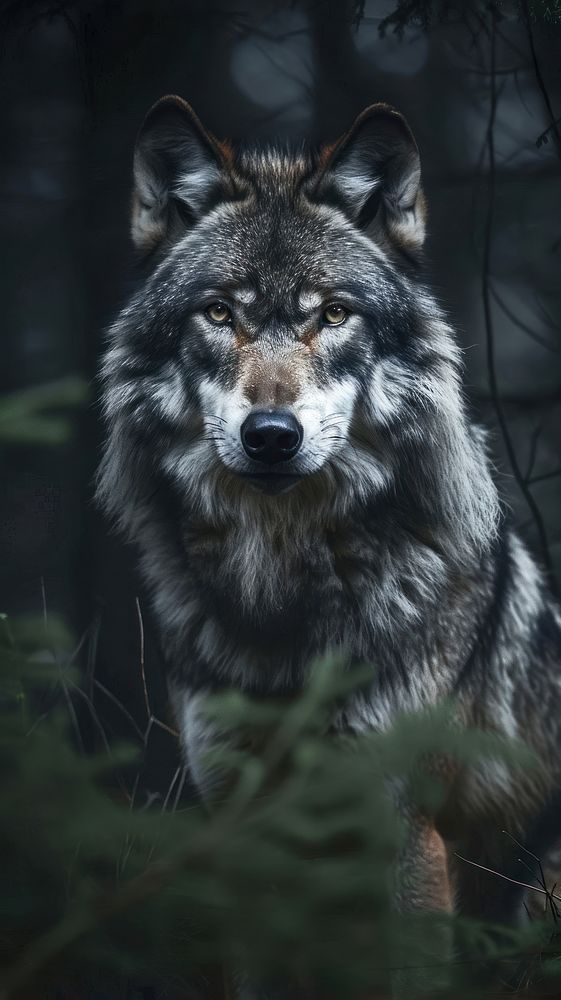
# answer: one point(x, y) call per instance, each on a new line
point(374, 173)
point(177, 164)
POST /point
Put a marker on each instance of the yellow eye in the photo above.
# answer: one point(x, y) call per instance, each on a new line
point(334, 314)
point(219, 313)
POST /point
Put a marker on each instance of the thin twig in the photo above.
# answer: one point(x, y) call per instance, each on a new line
point(44, 601)
point(179, 790)
point(539, 339)
point(536, 433)
point(544, 476)
point(170, 789)
point(119, 704)
point(101, 730)
point(487, 308)
point(154, 721)
point(542, 880)
point(141, 628)
point(515, 881)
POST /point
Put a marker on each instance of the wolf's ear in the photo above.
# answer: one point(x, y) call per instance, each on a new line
point(375, 172)
point(178, 168)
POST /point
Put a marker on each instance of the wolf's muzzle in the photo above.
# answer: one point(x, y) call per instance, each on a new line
point(271, 436)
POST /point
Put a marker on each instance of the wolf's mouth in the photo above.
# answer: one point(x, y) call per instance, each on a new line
point(272, 483)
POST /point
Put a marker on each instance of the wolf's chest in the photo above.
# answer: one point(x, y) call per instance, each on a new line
point(277, 581)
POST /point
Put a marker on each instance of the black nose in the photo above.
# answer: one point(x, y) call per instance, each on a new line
point(271, 436)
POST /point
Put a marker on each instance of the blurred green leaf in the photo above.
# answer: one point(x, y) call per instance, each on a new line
point(289, 875)
point(25, 416)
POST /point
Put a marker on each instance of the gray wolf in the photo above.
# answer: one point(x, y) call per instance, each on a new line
point(289, 447)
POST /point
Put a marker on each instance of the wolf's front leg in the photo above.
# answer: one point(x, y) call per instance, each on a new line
point(199, 736)
point(422, 887)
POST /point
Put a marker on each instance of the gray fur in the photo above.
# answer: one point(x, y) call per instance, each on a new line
point(392, 547)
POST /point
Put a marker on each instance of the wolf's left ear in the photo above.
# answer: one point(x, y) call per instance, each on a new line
point(375, 172)
point(179, 168)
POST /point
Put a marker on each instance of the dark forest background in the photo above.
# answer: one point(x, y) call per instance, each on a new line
point(481, 87)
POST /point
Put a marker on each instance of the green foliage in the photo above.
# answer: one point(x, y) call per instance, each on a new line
point(289, 873)
point(26, 416)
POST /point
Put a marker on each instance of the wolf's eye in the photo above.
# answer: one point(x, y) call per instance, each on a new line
point(218, 313)
point(334, 314)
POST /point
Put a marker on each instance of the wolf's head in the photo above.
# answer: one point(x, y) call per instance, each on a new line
point(282, 348)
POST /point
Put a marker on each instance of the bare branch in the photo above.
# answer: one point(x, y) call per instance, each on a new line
point(553, 121)
point(515, 881)
point(145, 689)
point(488, 313)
